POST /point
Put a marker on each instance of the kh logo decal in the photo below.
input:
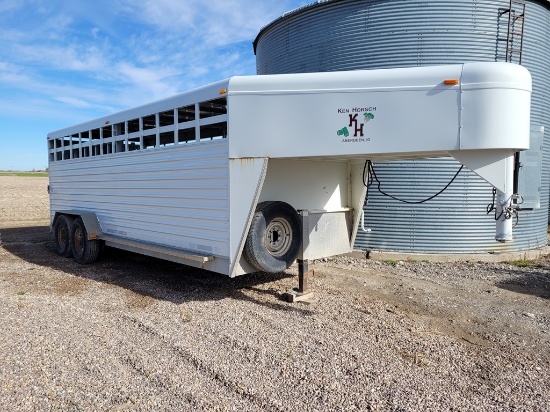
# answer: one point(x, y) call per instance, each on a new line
point(355, 124)
point(343, 132)
point(368, 116)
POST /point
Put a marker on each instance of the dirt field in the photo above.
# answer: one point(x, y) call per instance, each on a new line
point(136, 333)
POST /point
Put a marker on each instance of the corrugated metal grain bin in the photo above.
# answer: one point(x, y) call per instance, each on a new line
point(363, 34)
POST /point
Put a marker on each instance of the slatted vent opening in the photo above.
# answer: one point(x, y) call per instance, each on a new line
point(196, 123)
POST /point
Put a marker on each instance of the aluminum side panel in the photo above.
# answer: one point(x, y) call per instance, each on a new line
point(357, 192)
point(307, 184)
point(174, 196)
point(246, 181)
point(336, 123)
point(417, 112)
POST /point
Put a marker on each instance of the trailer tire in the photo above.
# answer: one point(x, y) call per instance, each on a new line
point(61, 235)
point(84, 250)
point(274, 238)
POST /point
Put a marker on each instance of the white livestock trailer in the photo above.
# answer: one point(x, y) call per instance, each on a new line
point(250, 173)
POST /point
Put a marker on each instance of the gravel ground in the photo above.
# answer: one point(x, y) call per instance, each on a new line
point(136, 333)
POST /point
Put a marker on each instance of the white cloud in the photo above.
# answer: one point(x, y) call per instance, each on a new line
point(72, 101)
point(7, 6)
point(214, 22)
point(70, 57)
point(154, 81)
point(11, 75)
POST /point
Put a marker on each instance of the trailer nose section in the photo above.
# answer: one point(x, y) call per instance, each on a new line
point(495, 106)
point(497, 168)
point(494, 166)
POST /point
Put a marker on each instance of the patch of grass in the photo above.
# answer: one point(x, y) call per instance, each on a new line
point(24, 174)
point(525, 263)
point(391, 262)
point(32, 174)
point(416, 261)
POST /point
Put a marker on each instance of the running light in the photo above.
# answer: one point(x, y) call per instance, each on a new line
point(450, 82)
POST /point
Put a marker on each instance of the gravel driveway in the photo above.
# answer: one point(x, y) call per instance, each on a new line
point(136, 333)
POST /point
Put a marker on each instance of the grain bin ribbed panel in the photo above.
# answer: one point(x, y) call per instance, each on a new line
point(353, 34)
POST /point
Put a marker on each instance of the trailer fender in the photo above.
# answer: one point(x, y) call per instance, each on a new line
point(90, 220)
point(274, 238)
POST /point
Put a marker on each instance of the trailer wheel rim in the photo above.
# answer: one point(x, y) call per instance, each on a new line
point(61, 237)
point(79, 240)
point(278, 237)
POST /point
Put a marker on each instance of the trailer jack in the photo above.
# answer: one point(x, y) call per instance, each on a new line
point(303, 292)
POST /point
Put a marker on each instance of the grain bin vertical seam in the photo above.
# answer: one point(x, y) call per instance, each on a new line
point(371, 34)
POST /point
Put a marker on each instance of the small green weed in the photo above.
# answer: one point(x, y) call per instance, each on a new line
point(525, 263)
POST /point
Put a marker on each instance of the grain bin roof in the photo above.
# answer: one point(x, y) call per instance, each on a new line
point(293, 12)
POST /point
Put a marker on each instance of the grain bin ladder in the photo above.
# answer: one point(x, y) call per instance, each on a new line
point(516, 24)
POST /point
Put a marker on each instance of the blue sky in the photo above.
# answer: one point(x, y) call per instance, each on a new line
point(63, 62)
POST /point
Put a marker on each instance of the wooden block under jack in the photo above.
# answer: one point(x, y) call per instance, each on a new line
point(296, 296)
point(302, 293)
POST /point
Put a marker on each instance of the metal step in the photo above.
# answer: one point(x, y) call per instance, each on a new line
point(153, 249)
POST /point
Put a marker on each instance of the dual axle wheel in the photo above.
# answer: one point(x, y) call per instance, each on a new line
point(70, 238)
